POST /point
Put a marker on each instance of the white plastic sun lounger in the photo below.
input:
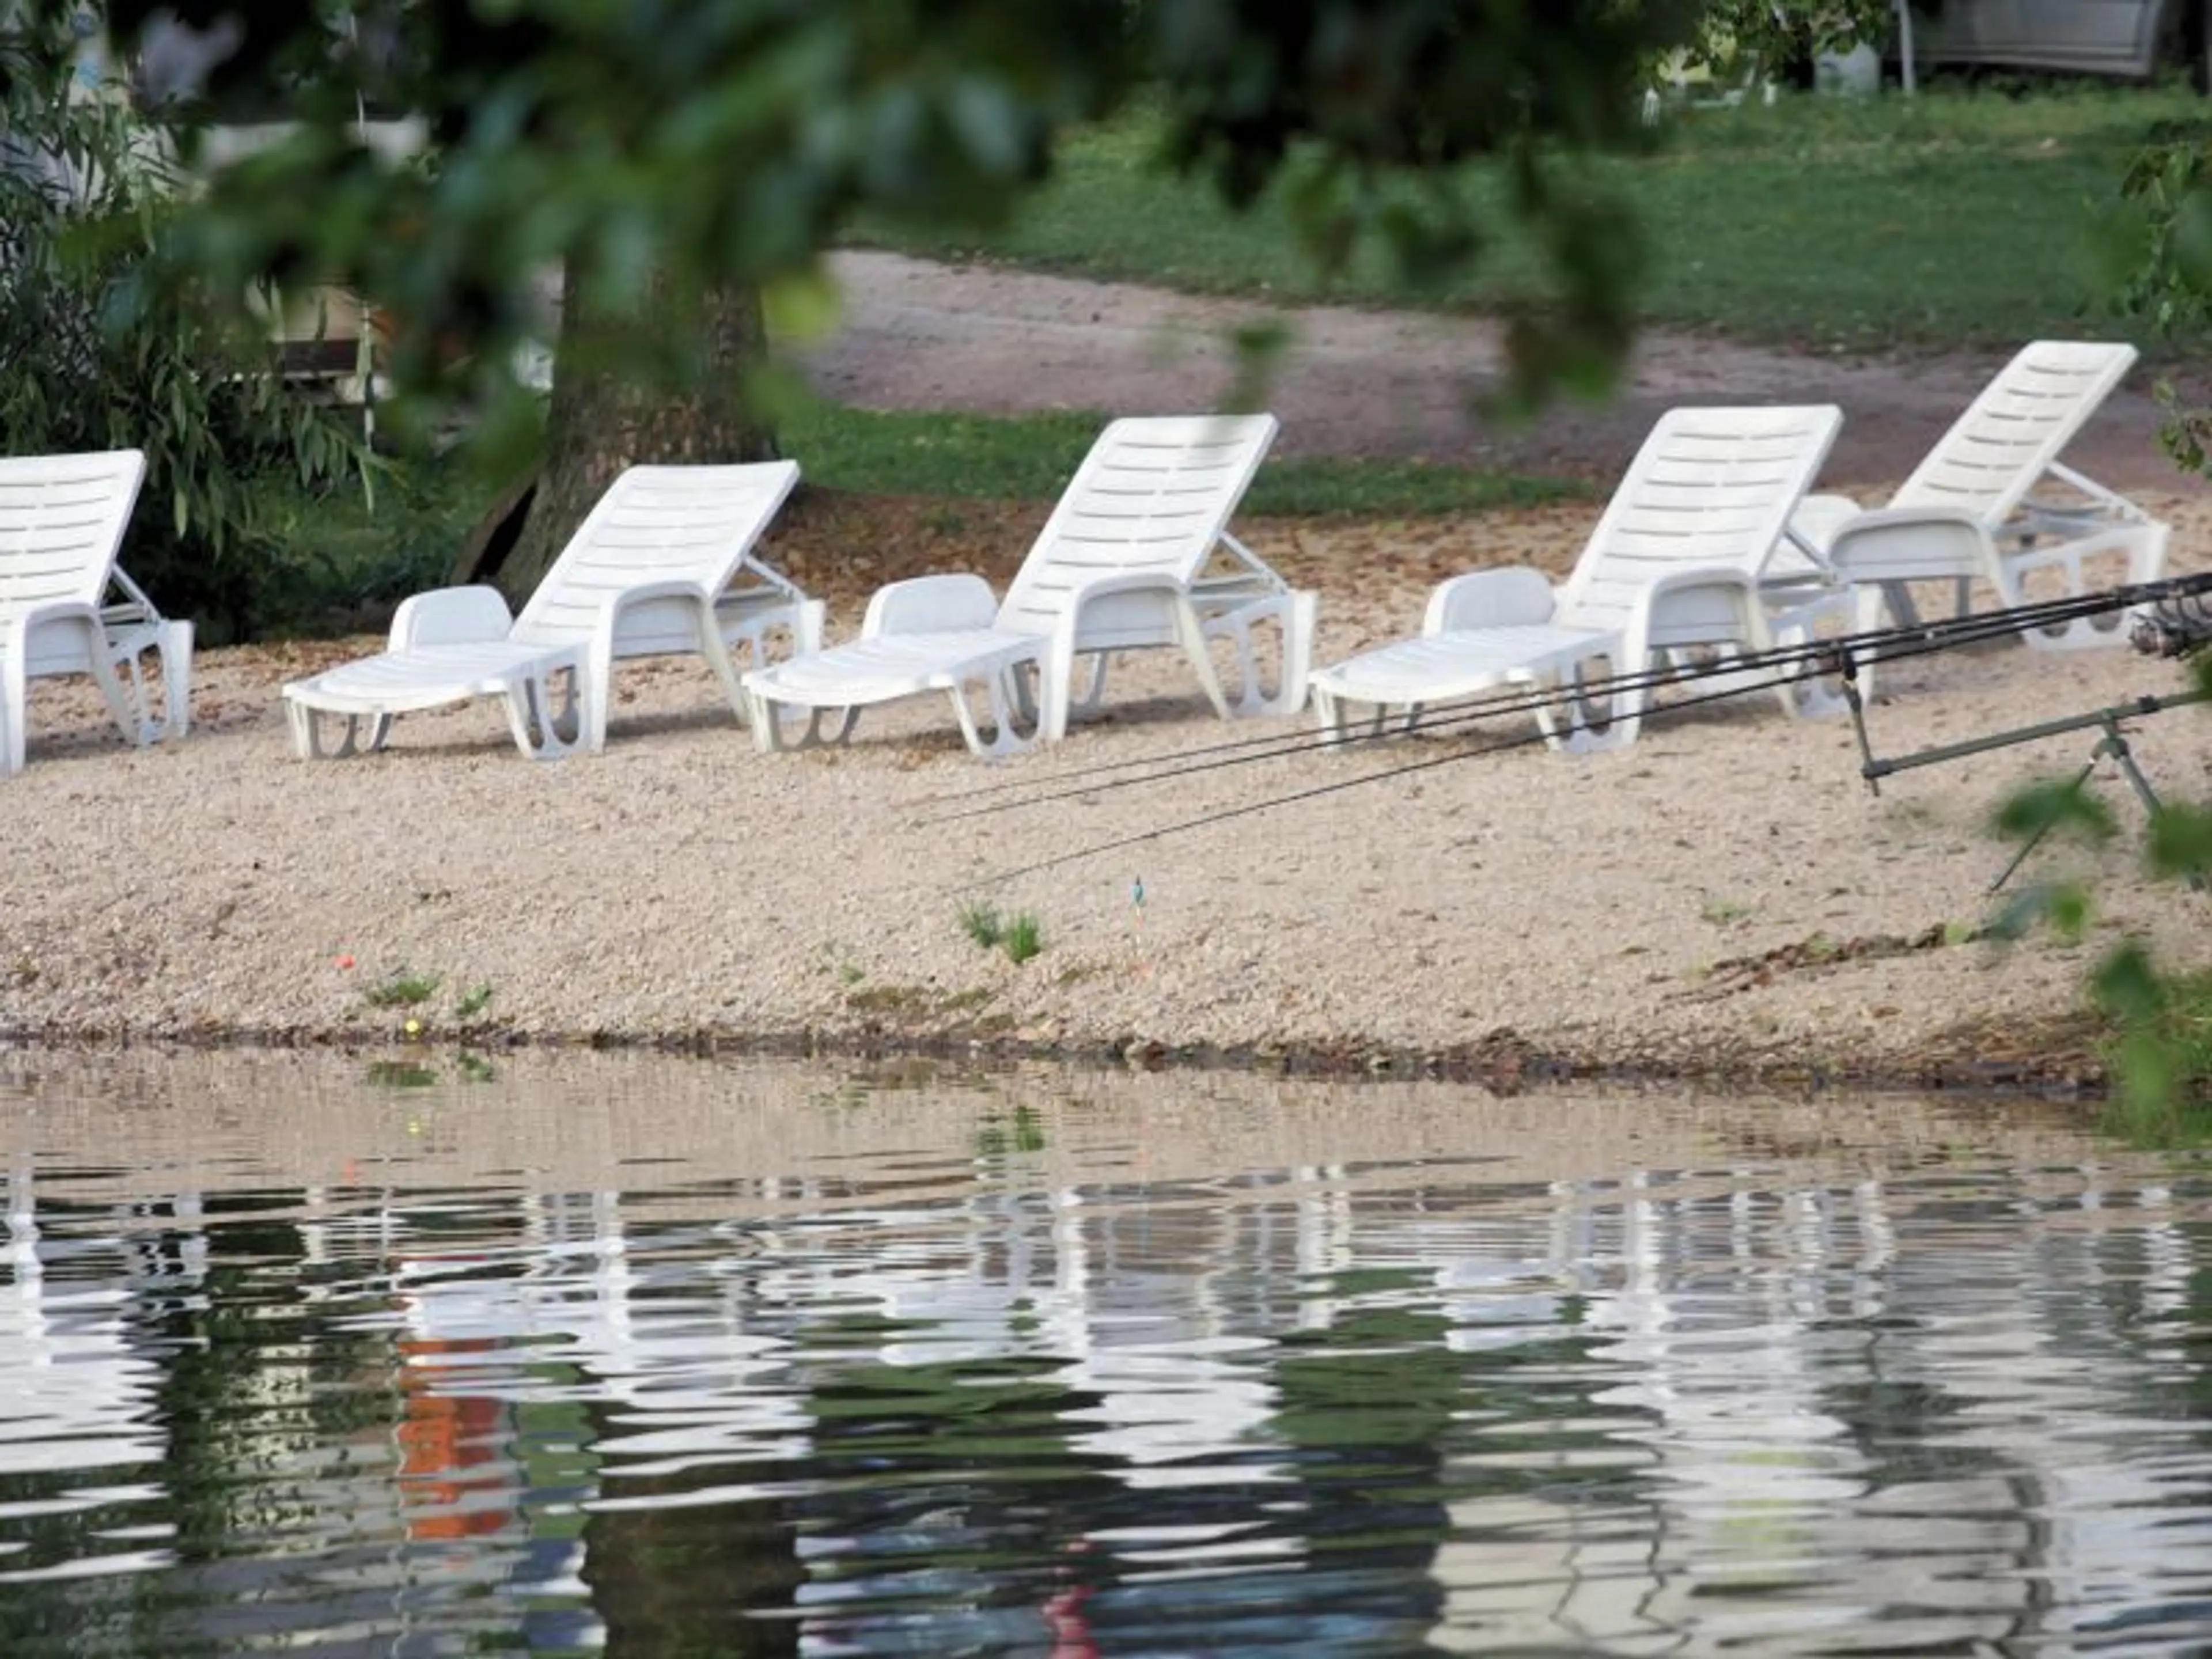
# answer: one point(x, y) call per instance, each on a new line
point(1967, 512)
point(66, 607)
point(1137, 554)
point(1678, 560)
point(652, 570)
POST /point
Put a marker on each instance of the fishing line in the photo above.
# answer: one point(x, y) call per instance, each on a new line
point(1521, 740)
point(1834, 654)
point(1792, 665)
point(1873, 644)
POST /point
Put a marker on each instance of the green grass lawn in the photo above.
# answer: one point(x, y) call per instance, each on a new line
point(337, 557)
point(1032, 456)
point(1955, 218)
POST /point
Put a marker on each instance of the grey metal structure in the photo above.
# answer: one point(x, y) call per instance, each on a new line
point(2177, 624)
point(2092, 37)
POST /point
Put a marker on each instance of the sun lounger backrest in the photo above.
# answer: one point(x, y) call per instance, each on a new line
point(1711, 489)
point(1995, 453)
point(655, 524)
point(1155, 493)
point(62, 518)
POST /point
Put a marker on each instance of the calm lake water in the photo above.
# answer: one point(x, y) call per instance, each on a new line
point(670, 1359)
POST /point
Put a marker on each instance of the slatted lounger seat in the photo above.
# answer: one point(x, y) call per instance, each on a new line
point(1969, 511)
point(1136, 554)
point(1677, 560)
point(656, 567)
point(66, 607)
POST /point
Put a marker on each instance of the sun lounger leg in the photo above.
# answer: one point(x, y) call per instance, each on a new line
point(176, 679)
point(135, 713)
point(302, 720)
point(716, 650)
point(1192, 632)
point(522, 716)
point(1021, 683)
point(719, 638)
point(593, 686)
point(306, 722)
point(1082, 705)
point(1294, 615)
point(138, 725)
point(1328, 717)
point(568, 718)
point(126, 704)
point(1811, 697)
point(1298, 625)
point(1333, 714)
point(541, 732)
point(1571, 734)
point(1624, 717)
point(1006, 737)
point(765, 716)
point(2144, 548)
point(14, 704)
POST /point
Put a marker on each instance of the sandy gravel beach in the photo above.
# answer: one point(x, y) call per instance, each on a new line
point(1724, 896)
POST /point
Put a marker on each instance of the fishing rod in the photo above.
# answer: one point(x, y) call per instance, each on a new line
point(2177, 625)
point(1942, 636)
point(2168, 613)
point(1806, 661)
point(1837, 656)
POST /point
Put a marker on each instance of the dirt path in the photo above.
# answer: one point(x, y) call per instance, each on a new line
point(1372, 383)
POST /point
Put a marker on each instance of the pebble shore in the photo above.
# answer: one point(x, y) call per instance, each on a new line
point(1726, 897)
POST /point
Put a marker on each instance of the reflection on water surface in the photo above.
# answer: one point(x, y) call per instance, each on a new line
point(656, 1358)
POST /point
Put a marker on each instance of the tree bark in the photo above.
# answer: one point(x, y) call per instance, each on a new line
point(602, 420)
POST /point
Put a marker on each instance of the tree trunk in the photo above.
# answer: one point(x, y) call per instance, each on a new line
point(601, 421)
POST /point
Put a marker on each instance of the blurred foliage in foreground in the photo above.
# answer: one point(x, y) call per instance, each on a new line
point(2159, 1015)
point(657, 150)
point(96, 358)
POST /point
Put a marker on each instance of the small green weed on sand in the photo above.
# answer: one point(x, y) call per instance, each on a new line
point(1023, 938)
point(1020, 935)
point(405, 989)
point(473, 1001)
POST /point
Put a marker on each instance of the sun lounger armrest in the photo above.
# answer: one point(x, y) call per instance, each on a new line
point(693, 604)
point(647, 592)
point(1908, 543)
point(930, 604)
point(1695, 606)
point(15, 628)
point(1130, 581)
point(1180, 598)
point(1514, 597)
point(452, 615)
